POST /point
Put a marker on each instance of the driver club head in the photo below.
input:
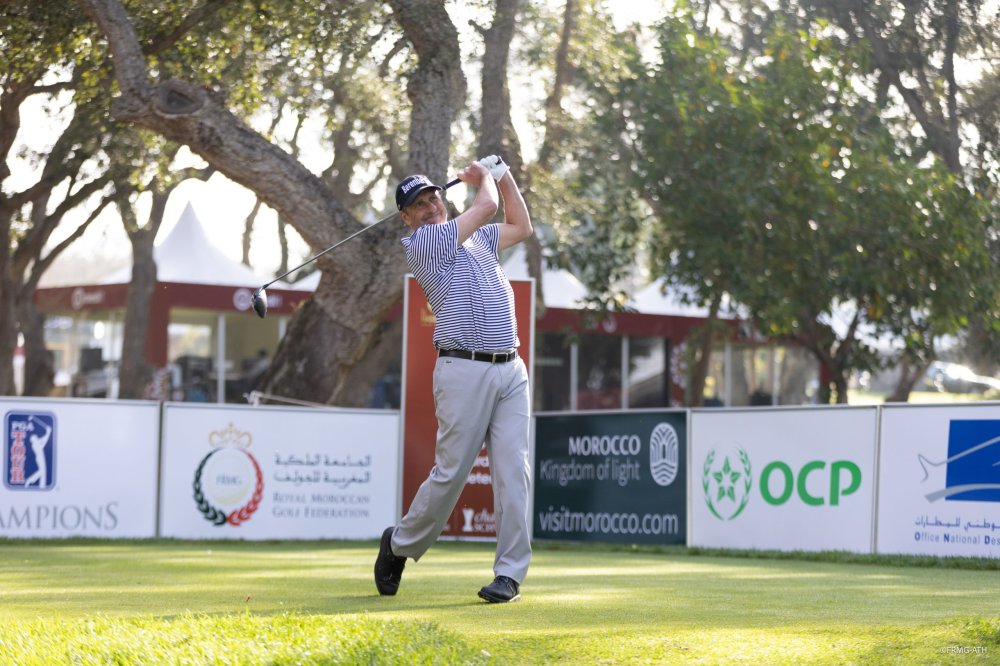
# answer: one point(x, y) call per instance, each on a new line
point(259, 300)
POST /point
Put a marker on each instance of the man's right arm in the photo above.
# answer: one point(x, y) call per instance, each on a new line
point(483, 207)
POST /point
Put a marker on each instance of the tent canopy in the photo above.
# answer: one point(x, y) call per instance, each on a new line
point(186, 255)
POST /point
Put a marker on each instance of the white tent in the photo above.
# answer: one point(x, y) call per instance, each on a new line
point(186, 255)
point(199, 287)
point(651, 299)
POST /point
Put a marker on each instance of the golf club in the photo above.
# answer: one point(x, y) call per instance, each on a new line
point(259, 298)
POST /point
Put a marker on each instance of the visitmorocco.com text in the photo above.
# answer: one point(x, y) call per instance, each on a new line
point(590, 522)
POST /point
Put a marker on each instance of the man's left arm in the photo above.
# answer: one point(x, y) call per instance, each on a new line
point(517, 222)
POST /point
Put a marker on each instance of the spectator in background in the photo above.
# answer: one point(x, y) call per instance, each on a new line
point(256, 373)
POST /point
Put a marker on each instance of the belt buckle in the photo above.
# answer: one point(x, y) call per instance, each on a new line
point(495, 354)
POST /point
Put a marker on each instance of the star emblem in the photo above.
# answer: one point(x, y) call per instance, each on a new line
point(726, 478)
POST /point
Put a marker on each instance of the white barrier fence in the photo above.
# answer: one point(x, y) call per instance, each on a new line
point(79, 468)
point(103, 469)
point(277, 472)
point(939, 480)
point(907, 479)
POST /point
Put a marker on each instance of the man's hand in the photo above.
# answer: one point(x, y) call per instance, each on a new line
point(474, 173)
point(496, 165)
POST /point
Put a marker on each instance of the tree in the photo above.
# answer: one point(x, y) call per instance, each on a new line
point(910, 55)
point(577, 185)
point(770, 178)
point(90, 163)
point(35, 46)
point(135, 372)
point(332, 332)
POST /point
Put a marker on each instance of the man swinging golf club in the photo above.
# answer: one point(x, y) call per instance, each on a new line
point(480, 383)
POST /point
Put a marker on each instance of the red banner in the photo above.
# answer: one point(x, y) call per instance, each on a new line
point(473, 515)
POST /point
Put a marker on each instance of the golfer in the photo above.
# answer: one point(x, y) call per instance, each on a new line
point(480, 383)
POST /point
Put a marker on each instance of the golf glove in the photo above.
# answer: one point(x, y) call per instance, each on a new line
point(496, 166)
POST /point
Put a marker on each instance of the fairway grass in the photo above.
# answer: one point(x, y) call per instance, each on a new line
point(171, 602)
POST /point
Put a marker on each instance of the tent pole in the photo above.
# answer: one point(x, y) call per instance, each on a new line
point(220, 358)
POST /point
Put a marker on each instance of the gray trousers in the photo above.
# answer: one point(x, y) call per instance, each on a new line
point(476, 402)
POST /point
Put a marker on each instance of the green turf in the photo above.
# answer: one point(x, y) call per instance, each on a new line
point(164, 602)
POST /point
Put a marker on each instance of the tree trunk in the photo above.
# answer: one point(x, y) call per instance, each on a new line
point(497, 135)
point(699, 373)
point(248, 230)
point(910, 374)
point(381, 366)
point(135, 372)
point(39, 366)
point(12, 94)
point(840, 385)
point(8, 314)
point(335, 330)
point(436, 88)
point(551, 141)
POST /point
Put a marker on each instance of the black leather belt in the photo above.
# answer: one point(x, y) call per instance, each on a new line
point(489, 357)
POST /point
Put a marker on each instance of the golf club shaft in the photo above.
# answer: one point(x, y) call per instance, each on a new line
point(339, 243)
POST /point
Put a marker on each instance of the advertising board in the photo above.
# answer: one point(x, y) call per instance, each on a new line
point(78, 468)
point(611, 476)
point(232, 472)
point(939, 480)
point(783, 479)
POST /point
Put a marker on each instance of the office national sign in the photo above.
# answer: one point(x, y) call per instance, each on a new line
point(939, 483)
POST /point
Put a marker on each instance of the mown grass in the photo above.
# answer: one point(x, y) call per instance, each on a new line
point(167, 602)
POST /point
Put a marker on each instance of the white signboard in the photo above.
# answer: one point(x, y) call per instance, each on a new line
point(939, 481)
point(238, 472)
point(78, 468)
point(783, 479)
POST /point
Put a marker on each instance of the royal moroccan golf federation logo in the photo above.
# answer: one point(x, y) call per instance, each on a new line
point(726, 479)
point(228, 483)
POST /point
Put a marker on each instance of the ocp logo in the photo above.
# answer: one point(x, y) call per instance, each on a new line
point(778, 481)
point(726, 482)
point(29, 450)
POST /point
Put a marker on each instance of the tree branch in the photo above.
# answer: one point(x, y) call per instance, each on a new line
point(189, 115)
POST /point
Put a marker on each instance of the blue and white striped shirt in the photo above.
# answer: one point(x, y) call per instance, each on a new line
point(471, 297)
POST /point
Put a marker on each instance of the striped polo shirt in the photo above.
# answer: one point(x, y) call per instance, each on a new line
point(471, 297)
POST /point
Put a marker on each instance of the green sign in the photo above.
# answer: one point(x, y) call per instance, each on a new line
point(611, 477)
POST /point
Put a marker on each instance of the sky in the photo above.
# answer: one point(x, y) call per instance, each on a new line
point(223, 205)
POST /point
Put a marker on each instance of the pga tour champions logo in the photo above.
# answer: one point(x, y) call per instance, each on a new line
point(29, 450)
point(228, 483)
point(664, 454)
point(726, 478)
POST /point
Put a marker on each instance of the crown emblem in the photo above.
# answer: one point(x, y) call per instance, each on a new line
point(230, 437)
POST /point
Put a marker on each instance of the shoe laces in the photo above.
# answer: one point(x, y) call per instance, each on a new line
point(507, 582)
